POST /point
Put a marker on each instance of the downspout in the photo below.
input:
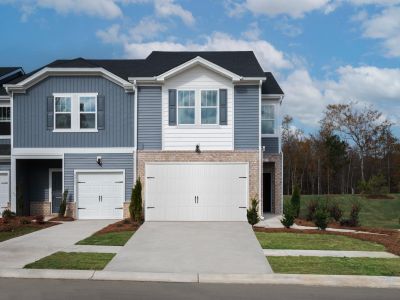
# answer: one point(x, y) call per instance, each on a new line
point(135, 131)
point(260, 172)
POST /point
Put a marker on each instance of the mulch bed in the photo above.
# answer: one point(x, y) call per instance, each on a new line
point(62, 219)
point(10, 224)
point(124, 225)
point(388, 238)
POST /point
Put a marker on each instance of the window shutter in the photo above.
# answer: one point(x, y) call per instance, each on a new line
point(50, 112)
point(223, 107)
point(101, 118)
point(172, 107)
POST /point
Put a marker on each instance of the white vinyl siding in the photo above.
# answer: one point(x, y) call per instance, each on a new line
point(209, 136)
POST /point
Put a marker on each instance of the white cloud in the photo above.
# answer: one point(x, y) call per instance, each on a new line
point(146, 29)
point(385, 26)
point(111, 35)
point(269, 57)
point(168, 8)
point(253, 32)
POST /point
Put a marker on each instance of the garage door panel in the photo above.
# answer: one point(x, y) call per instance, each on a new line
point(171, 190)
point(4, 191)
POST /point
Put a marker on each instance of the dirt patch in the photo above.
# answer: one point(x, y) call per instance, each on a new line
point(388, 238)
point(62, 219)
point(10, 224)
point(124, 225)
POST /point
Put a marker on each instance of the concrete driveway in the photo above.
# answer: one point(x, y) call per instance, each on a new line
point(17, 252)
point(192, 247)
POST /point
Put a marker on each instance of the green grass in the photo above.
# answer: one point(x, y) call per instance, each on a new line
point(73, 261)
point(108, 239)
point(303, 241)
point(6, 235)
point(335, 265)
point(377, 213)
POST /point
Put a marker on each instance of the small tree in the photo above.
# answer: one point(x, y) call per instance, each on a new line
point(252, 213)
point(135, 207)
point(288, 216)
point(321, 218)
point(63, 205)
point(295, 201)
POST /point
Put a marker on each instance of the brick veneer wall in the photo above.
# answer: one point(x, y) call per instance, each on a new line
point(252, 157)
point(40, 208)
point(276, 159)
point(71, 210)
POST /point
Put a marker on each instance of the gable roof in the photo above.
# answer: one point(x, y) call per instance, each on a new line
point(271, 86)
point(8, 74)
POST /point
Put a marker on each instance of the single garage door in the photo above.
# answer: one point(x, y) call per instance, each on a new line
point(100, 195)
point(196, 192)
point(4, 191)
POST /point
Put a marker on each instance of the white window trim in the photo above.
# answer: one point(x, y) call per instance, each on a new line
point(217, 107)
point(177, 108)
point(275, 120)
point(75, 112)
point(4, 121)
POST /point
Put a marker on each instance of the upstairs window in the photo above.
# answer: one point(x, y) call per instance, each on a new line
point(5, 120)
point(62, 112)
point(87, 107)
point(267, 118)
point(209, 107)
point(186, 107)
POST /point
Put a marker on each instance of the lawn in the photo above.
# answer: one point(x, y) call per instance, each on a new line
point(301, 241)
point(6, 235)
point(335, 265)
point(73, 261)
point(108, 239)
point(377, 213)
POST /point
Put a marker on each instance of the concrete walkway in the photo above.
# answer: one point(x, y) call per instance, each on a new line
point(328, 253)
point(192, 247)
point(17, 252)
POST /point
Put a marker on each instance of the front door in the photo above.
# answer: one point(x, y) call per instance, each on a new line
point(267, 193)
point(56, 191)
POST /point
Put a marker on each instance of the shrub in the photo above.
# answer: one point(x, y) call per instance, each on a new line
point(7, 214)
point(295, 201)
point(63, 204)
point(312, 207)
point(39, 219)
point(25, 221)
point(321, 218)
point(376, 185)
point(252, 213)
point(288, 216)
point(126, 221)
point(135, 207)
point(354, 219)
point(335, 211)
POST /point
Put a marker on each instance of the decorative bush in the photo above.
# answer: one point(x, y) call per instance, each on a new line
point(25, 221)
point(39, 219)
point(335, 211)
point(63, 204)
point(252, 213)
point(126, 221)
point(288, 216)
point(376, 185)
point(354, 219)
point(312, 207)
point(321, 218)
point(295, 201)
point(7, 214)
point(135, 207)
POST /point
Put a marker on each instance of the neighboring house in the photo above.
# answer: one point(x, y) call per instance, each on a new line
point(200, 129)
point(7, 74)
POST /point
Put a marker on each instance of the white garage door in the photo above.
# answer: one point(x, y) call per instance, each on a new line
point(4, 191)
point(196, 192)
point(100, 195)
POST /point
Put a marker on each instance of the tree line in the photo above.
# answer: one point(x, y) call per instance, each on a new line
point(353, 150)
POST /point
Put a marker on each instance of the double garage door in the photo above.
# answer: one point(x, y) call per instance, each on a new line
point(196, 192)
point(100, 195)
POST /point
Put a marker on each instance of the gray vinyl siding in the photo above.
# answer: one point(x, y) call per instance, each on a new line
point(271, 145)
point(5, 141)
point(246, 114)
point(149, 118)
point(77, 161)
point(30, 115)
point(5, 166)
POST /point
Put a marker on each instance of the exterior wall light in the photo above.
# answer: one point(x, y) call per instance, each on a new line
point(99, 161)
point(198, 149)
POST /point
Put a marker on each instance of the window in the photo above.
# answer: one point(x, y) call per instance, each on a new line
point(5, 120)
point(87, 107)
point(209, 107)
point(75, 112)
point(62, 112)
point(186, 107)
point(267, 119)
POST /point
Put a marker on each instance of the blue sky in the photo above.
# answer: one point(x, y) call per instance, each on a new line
point(321, 51)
